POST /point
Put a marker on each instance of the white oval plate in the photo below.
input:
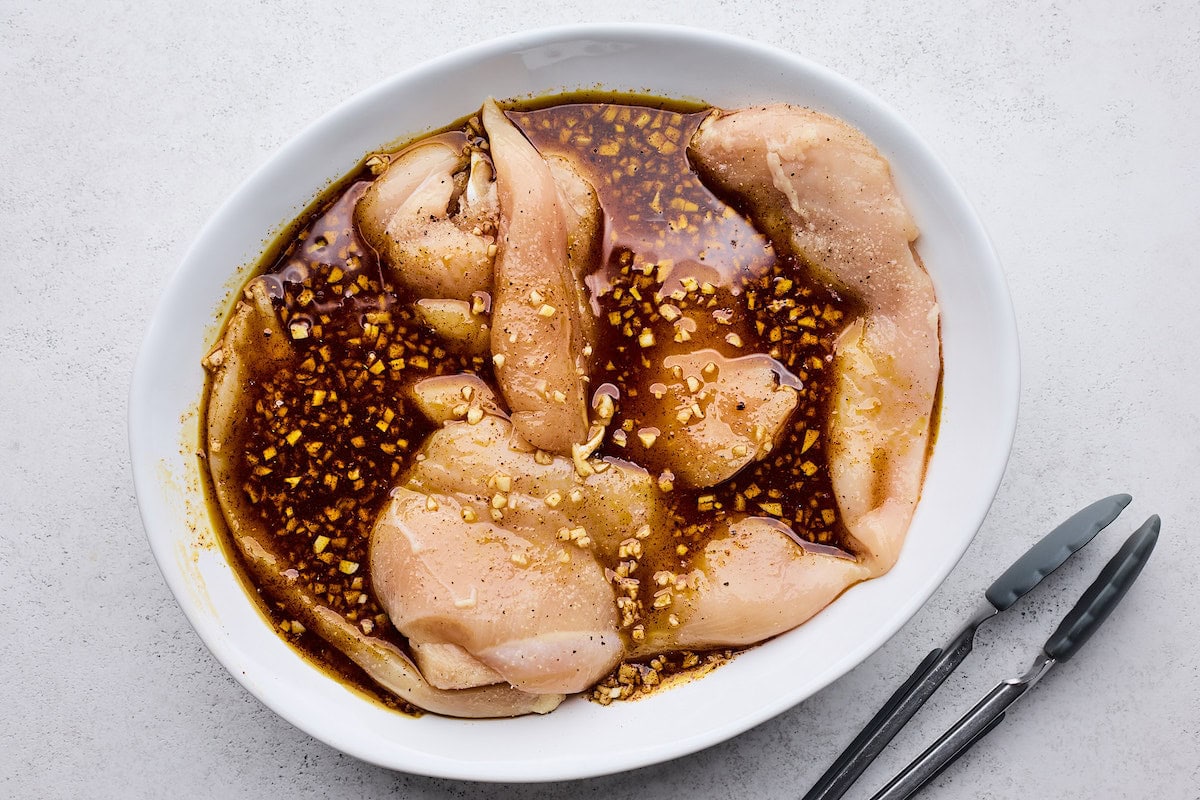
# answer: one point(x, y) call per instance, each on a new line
point(980, 392)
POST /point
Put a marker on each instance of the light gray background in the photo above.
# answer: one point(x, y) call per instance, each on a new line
point(1074, 127)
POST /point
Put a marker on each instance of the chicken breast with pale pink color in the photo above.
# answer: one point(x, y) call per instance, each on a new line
point(533, 610)
point(538, 321)
point(753, 580)
point(713, 415)
point(488, 559)
point(431, 217)
point(823, 193)
point(477, 461)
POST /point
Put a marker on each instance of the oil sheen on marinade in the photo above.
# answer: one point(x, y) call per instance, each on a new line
point(333, 431)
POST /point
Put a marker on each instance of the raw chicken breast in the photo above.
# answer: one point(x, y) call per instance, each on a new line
point(538, 321)
point(823, 193)
point(448, 666)
point(459, 327)
point(387, 665)
point(717, 414)
point(449, 397)
point(536, 611)
point(477, 461)
point(581, 211)
point(254, 343)
point(431, 222)
point(492, 548)
point(755, 582)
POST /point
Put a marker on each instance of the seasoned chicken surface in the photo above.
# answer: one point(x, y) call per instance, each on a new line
point(822, 191)
point(752, 581)
point(456, 324)
point(534, 610)
point(490, 548)
point(581, 211)
point(478, 461)
point(454, 397)
point(538, 319)
point(431, 217)
point(448, 666)
point(717, 414)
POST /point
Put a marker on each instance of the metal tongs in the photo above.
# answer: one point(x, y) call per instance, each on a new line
point(1100, 598)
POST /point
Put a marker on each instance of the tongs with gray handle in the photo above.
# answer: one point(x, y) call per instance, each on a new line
point(1076, 628)
point(1027, 572)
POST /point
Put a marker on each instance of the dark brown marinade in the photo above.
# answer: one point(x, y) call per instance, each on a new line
point(335, 430)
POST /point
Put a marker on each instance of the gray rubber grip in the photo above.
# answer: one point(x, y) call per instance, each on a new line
point(1054, 548)
point(1105, 592)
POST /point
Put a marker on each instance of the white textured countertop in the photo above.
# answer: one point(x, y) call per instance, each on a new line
point(1073, 126)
